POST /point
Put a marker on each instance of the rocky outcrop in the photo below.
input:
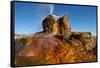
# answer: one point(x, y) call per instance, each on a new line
point(52, 50)
point(64, 25)
point(86, 38)
point(55, 44)
point(52, 26)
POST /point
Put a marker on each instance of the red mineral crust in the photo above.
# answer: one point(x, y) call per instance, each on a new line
point(56, 44)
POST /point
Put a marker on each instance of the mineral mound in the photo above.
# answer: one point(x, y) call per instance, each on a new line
point(56, 44)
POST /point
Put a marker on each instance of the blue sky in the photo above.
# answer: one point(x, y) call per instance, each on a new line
point(29, 16)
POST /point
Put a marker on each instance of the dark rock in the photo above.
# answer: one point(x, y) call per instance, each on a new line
point(64, 25)
point(50, 26)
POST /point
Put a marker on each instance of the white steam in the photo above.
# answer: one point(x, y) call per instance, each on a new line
point(51, 9)
point(51, 12)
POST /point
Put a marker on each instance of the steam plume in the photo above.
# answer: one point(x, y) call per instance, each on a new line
point(51, 9)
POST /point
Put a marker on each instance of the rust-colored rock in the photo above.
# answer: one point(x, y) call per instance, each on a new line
point(64, 25)
point(51, 50)
point(50, 26)
point(55, 44)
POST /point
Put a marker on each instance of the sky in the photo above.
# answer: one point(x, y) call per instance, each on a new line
point(29, 16)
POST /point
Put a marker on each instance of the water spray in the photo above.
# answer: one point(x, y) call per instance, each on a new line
point(51, 9)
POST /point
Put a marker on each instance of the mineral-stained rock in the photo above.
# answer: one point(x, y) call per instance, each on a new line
point(51, 50)
point(87, 40)
point(55, 44)
point(50, 26)
point(48, 23)
point(44, 51)
point(64, 25)
point(20, 43)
